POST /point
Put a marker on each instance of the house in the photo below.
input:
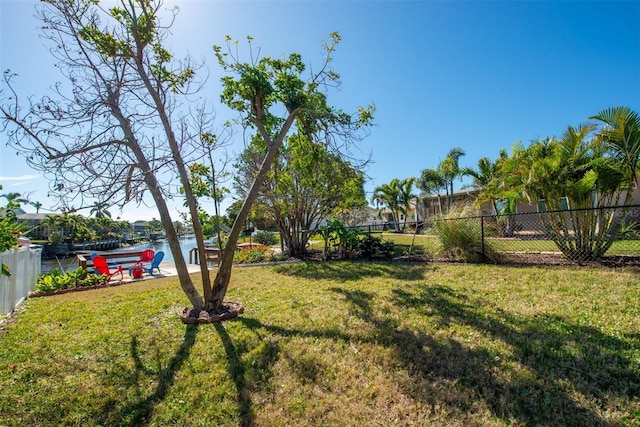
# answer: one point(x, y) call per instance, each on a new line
point(414, 213)
point(140, 227)
point(34, 223)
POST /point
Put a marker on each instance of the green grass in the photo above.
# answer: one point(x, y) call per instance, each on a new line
point(336, 343)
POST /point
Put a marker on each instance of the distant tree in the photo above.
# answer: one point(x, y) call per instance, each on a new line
point(395, 196)
point(431, 182)
point(99, 210)
point(154, 225)
point(15, 197)
point(483, 177)
point(449, 168)
point(37, 205)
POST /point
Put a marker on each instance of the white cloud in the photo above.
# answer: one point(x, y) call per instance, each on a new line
point(19, 178)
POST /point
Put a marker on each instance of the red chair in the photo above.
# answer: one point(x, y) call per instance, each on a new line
point(101, 265)
point(147, 255)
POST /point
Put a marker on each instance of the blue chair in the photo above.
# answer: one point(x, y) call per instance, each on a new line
point(157, 259)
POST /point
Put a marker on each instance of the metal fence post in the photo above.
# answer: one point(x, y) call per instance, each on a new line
point(482, 235)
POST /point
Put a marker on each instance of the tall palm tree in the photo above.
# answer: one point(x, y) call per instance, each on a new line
point(395, 196)
point(449, 168)
point(405, 197)
point(386, 196)
point(431, 182)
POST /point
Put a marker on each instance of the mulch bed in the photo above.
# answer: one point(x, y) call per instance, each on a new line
point(228, 310)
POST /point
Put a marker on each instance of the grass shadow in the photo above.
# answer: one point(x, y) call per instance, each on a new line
point(138, 413)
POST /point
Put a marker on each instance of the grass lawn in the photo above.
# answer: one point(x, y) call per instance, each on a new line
point(347, 344)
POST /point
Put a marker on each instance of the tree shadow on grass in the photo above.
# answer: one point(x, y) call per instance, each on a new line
point(543, 370)
point(562, 360)
point(138, 413)
point(237, 372)
point(252, 373)
point(346, 271)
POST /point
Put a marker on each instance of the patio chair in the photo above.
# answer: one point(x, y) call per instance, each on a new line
point(157, 259)
point(147, 255)
point(101, 265)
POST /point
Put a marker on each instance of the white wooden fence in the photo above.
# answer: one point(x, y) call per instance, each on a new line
point(25, 265)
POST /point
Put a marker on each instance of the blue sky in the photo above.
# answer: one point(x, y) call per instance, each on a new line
point(479, 75)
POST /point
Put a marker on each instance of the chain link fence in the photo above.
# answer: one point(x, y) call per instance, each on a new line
point(607, 235)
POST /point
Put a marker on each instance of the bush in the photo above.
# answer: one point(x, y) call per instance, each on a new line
point(251, 256)
point(375, 247)
point(57, 280)
point(460, 234)
point(265, 237)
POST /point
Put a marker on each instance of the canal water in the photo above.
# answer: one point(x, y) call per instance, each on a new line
point(71, 262)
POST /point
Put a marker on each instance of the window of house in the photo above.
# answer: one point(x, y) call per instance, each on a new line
point(564, 204)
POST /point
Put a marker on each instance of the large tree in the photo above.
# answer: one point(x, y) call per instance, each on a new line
point(116, 129)
point(121, 130)
point(306, 184)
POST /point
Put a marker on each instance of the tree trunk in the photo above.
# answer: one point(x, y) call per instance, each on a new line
point(221, 281)
point(181, 266)
point(165, 217)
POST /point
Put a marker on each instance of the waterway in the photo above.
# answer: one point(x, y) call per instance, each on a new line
point(71, 262)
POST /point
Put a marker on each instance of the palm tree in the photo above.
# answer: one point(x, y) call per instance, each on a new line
point(36, 205)
point(622, 135)
point(432, 182)
point(404, 199)
point(99, 210)
point(573, 171)
point(396, 197)
point(386, 195)
point(15, 197)
point(449, 168)
point(486, 179)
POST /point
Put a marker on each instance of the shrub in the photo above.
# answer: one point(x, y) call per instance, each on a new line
point(460, 235)
point(375, 247)
point(339, 240)
point(249, 256)
point(57, 280)
point(265, 237)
